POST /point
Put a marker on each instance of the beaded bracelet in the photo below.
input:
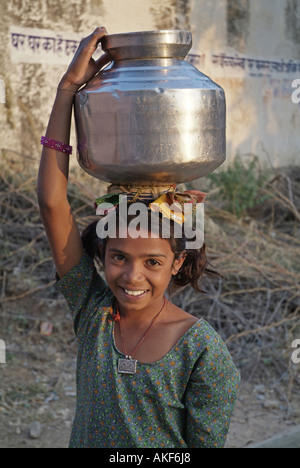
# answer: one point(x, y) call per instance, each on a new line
point(56, 145)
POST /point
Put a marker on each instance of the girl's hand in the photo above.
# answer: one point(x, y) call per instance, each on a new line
point(83, 67)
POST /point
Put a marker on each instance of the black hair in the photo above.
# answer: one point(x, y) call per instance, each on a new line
point(193, 269)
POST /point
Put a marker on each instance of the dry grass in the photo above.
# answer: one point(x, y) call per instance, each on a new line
point(256, 306)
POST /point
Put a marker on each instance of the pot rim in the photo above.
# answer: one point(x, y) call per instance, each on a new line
point(164, 43)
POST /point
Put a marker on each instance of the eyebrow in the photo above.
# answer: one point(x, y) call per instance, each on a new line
point(111, 249)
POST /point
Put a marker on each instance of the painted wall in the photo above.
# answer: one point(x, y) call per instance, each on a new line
point(250, 47)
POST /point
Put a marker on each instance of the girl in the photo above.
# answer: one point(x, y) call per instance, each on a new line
point(148, 373)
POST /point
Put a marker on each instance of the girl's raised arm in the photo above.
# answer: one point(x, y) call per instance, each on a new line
point(60, 226)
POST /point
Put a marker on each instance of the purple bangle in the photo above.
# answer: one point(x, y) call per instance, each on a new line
point(56, 145)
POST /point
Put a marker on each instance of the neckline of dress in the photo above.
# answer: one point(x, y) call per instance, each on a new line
point(166, 356)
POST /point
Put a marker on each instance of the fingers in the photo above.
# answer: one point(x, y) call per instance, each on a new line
point(83, 67)
point(91, 42)
point(98, 34)
point(100, 29)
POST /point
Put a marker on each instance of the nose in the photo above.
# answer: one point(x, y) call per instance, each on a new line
point(133, 274)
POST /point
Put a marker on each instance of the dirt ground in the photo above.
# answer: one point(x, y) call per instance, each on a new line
point(37, 384)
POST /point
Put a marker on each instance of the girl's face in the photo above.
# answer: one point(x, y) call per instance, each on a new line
point(138, 271)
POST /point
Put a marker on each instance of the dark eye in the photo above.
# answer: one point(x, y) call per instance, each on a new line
point(153, 262)
point(118, 258)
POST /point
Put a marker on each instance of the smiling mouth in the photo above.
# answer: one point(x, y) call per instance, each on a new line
point(131, 292)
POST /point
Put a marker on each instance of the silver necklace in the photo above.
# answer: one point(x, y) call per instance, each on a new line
point(129, 365)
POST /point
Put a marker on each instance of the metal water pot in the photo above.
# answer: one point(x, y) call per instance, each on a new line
point(150, 116)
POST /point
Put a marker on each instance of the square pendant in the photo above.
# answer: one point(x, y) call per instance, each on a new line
point(127, 366)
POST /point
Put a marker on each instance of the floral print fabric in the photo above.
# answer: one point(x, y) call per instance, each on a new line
point(186, 399)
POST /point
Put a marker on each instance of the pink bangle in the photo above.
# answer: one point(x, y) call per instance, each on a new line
point(56, 145)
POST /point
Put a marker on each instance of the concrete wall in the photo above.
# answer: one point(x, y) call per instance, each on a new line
point(250, 47)
point(261, 43)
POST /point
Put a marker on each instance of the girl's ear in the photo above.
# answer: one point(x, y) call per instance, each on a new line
point(178, 262)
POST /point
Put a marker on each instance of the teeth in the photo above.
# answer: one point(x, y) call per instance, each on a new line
point(133, 293)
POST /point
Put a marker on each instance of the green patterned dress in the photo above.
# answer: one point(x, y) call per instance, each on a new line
point(186, 399)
